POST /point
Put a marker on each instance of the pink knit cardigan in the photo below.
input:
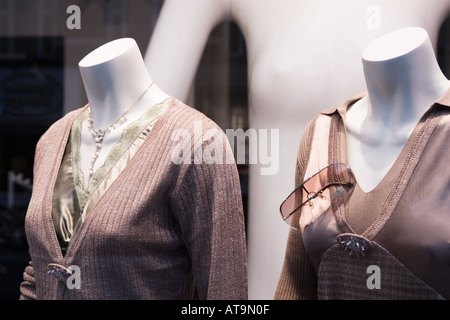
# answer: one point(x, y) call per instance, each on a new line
point(161, 229)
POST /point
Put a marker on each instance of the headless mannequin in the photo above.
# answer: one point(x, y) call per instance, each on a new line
point(403, 80)
point(114, 76)
point(303, 57)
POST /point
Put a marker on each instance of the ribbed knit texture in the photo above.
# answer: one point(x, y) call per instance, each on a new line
point(160, 230)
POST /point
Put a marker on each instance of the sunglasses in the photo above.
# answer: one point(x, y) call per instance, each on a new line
point(332, 183)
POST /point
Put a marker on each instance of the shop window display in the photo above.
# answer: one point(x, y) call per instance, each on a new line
point(222, 82)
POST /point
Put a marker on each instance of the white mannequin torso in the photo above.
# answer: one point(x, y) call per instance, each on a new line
point(403, 80)
point(303, 56)
point(114, 77)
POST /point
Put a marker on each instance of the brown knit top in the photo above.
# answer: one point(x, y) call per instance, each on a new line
point(162, 229)
point(405, 219)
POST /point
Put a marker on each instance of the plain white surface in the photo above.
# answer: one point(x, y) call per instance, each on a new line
point(303, 57)
point(107, 52)
point(395, 44)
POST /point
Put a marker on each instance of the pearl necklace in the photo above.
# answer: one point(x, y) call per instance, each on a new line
point(99, 134)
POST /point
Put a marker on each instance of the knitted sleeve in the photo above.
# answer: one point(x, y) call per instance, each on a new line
point(41, 173)
point(298, 278)
point(208, 205)
point(28, 285)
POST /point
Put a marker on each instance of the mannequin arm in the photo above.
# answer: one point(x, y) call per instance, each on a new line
point(178, 41)
point(208, 206)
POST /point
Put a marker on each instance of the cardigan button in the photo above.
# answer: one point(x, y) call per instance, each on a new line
point(59, 271)
point(355, 244)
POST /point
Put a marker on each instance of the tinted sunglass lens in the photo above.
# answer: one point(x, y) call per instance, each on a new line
point(338, 177)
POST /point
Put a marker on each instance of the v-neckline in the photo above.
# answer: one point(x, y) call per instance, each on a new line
point(391, 187)
point(54, 174)
point(128, 137)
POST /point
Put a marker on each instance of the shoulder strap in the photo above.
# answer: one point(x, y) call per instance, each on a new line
point(318, 152)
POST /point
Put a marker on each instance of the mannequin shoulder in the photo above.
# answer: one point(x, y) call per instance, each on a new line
point(444, 121)
point(183, 116)
point(57, 129)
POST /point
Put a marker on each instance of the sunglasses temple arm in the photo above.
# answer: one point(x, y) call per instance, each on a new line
point(301, 205)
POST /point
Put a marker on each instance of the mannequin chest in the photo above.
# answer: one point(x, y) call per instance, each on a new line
point(306, 55)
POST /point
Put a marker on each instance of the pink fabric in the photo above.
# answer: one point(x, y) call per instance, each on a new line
point(158, 231)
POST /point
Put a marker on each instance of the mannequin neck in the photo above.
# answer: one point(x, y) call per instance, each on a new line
point(403, 77)
point(403, 80)
point(114, 77)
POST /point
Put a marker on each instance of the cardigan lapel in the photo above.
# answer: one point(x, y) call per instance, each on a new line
point(56, 160)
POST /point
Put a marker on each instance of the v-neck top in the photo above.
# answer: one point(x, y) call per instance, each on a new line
point(162, 229)
point(72, 198)
point(406, 216)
